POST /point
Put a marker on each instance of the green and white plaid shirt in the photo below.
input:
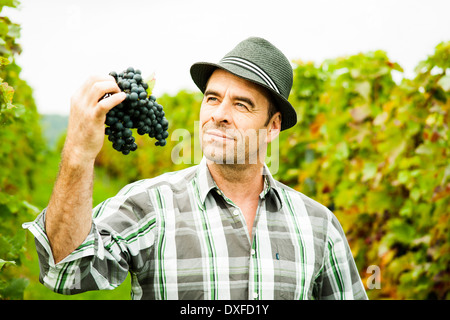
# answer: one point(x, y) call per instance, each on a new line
point(180, 237)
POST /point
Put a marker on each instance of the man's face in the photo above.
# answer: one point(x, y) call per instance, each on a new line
point(232, 119)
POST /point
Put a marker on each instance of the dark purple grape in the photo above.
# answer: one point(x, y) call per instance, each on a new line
point(138, 111)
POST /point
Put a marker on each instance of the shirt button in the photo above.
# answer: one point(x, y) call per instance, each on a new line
point(255, 295)
point(236, 212)
point(252, 252)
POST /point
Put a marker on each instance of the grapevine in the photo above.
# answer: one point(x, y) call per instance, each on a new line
point(138, 111)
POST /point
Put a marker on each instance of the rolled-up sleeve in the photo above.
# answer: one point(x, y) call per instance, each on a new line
point(112, 248)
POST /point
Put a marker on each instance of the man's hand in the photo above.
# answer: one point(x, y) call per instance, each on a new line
point(86, 130)
point(69, 213)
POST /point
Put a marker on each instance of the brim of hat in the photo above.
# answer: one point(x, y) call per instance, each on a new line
point(201, 72)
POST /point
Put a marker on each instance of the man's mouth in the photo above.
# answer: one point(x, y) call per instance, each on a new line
point(219, 135)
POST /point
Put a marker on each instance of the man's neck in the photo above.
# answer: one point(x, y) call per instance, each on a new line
point(240, 183)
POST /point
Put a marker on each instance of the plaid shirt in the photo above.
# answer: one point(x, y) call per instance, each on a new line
point(180, 237)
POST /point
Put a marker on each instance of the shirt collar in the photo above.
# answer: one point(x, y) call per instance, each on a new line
point(204, 180)
point(205, 183)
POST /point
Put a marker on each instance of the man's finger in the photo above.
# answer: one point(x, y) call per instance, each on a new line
point(98, 78)
point(100, 88)
point(108, 103)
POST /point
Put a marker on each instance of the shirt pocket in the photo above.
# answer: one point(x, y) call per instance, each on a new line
point(285, 270)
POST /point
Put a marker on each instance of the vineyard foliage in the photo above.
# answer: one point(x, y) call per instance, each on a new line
point(21, 147)
point(376, 152)
point(370, 144)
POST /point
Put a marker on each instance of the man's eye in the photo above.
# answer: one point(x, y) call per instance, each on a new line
point(240, 105)
point(211, 99)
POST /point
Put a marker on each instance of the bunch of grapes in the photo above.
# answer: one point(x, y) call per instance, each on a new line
point(138, 111)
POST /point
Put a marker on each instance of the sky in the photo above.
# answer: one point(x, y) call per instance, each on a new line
point(64, 42)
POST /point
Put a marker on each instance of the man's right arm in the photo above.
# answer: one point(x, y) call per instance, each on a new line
point(69, 213)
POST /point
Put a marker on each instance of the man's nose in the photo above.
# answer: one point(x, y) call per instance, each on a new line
point(222, 113)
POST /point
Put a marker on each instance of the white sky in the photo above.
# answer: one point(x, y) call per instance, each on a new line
point(66, 41)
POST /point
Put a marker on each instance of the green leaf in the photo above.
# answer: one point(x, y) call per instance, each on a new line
point(363, 89)
point(415, 194)
point(403, 176)
point(444, 82)
point(3, 262)
point(14, 289)
point(400, 232)
point(369, 171)
point(424, 149)
point(407, 209)
point(151, 83)
point(342, 151)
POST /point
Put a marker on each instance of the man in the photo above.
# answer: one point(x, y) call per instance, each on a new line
point(223, 229)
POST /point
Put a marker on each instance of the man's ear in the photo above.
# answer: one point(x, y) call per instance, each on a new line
point(274, 127)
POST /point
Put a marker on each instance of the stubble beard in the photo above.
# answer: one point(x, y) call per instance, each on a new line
point(245, 148)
